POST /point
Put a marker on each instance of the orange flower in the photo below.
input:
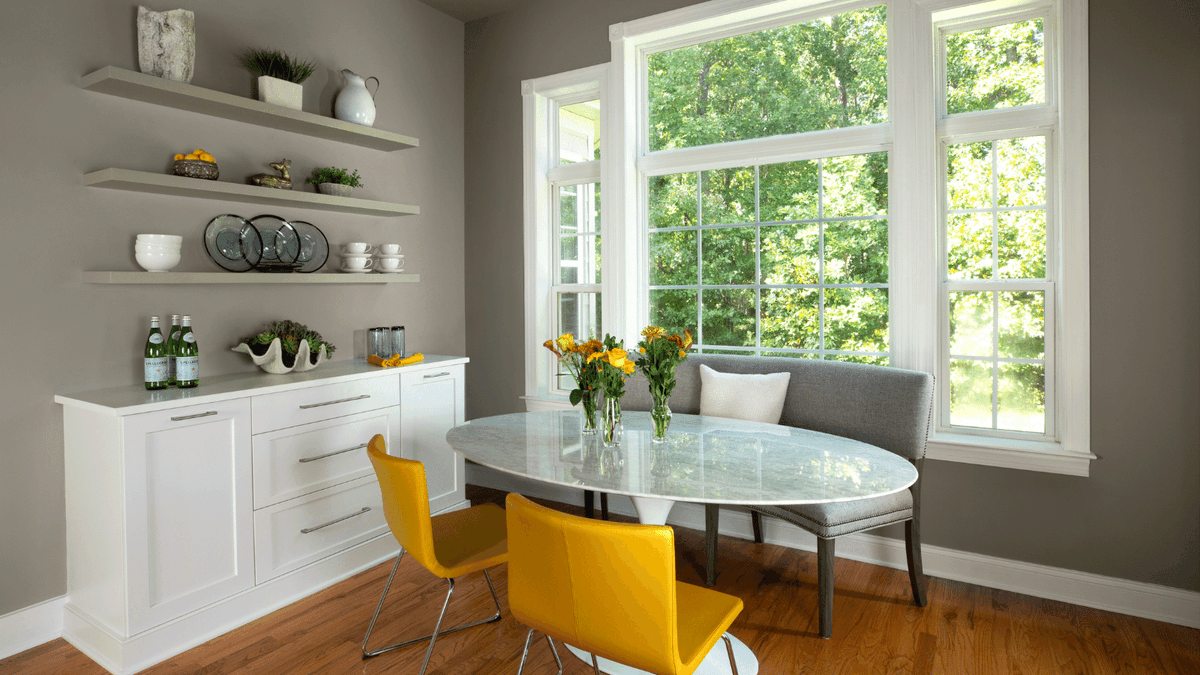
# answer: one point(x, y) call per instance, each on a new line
point(687, 339)
point(549, 344)
point(566, 342)
point(682, 354)
point(596, 355)
point(628, 367)
point(642, 350)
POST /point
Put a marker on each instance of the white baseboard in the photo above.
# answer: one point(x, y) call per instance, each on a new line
point(1135, 598)
point(29, 627)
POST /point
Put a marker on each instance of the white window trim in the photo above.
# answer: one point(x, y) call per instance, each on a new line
point(915, 120)
point(541, 99)
point(915, 128)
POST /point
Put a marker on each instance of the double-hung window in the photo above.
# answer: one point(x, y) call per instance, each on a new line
point(875, 182)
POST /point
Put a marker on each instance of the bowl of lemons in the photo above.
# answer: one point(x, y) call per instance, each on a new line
point(198, 164)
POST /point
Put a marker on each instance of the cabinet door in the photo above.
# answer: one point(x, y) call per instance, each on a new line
point(432, 403)
point(188, 495)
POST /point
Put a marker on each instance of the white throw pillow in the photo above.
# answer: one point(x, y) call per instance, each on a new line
point(758, 398)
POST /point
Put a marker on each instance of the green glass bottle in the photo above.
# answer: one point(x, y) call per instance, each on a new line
point(156, 358)
point(172, 349)
point(187, 357)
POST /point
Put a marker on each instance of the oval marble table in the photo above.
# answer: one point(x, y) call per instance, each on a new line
point(709, 460)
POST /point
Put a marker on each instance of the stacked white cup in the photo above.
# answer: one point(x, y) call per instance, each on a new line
point(356, 257)
point(389, 260)
point(158, 252)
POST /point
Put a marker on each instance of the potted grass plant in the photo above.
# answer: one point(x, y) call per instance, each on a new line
point(279, 76)
point(331, 180)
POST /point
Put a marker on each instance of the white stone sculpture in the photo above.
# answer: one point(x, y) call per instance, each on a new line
point(167, 43)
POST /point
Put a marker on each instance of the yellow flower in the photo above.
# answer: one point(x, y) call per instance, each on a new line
point(652, 332)
point(596, 355)
point(628, 367)
point(617, 357)
point(642, 350)
point(566, 342)
point(549, 344)
point(687, 342)
point(682, 354)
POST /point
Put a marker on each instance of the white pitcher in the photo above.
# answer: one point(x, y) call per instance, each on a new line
point(355, 103)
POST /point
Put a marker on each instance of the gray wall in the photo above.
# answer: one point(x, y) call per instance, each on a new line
point(60, 335)
point(1138, 515)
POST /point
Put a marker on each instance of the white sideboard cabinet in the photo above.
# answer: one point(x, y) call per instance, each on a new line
point(192, 512)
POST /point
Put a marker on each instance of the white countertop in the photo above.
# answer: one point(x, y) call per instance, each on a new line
point(705, 459)
point(132, 400)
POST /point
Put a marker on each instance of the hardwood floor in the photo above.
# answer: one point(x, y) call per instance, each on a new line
point(964, 629)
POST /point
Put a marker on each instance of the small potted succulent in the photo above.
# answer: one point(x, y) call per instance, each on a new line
point(279, 76)
point(331, 180)
point(285, 347)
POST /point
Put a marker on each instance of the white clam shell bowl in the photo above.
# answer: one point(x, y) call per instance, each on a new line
point(272, 360)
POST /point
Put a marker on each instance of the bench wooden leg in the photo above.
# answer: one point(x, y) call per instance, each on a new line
point(916, 576)
point(825, 586)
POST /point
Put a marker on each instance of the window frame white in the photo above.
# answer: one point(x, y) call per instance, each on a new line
point(917, 126)
point(543, 175)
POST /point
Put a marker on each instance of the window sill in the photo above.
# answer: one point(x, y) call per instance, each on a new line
point(1008, 454)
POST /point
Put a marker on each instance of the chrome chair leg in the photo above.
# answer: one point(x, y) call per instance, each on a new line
point(595, 665)
point(433, 638)
point(729, 649)
point(554, 650)
point(525, 652)
point(383, 650)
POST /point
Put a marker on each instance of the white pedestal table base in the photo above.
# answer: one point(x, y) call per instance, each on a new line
point(716, 663)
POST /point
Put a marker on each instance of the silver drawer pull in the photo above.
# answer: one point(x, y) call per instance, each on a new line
point(340, 400)
point(181, 418)
point(309, 530)
point(305, 460)
point(436, 375)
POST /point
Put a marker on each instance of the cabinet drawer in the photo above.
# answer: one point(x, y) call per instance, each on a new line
point(295, 533)
point(290, 463)
point(313, 404)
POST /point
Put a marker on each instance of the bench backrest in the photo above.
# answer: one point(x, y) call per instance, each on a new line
point(886, 407)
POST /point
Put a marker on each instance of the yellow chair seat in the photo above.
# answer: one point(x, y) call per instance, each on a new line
point(704, 615)
point(469, 540)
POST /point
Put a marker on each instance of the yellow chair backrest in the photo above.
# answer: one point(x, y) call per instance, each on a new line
point(607, 588)
point(405, 502)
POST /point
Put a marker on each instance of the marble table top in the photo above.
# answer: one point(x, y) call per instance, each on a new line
point(705, 459)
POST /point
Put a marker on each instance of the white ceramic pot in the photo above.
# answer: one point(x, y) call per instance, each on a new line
point(280, 92)
point(355, 103)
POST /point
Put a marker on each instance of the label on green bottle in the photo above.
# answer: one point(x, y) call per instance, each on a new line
point(187, 368)
point(175, 335)
point(156, 339)
point(190, 337)
point(156, 369)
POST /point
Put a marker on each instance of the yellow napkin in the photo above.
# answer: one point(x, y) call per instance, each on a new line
point(395, 360)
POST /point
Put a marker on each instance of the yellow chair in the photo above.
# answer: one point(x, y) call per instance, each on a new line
point(610, 589)
point(449, 545)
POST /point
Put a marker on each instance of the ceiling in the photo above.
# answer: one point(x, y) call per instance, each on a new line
point(469, 10)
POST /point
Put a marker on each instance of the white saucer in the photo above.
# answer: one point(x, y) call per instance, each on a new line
point(347, 270)
point(389, 256)
point(390, 271)
point(356, 255)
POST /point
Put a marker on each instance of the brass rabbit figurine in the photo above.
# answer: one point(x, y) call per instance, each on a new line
point(283, 181)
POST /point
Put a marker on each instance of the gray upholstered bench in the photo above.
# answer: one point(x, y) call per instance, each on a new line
point(886, 407)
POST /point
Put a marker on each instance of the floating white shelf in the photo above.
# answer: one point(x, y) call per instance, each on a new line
point(167, 184)
point(243, 278)
point(159, 91)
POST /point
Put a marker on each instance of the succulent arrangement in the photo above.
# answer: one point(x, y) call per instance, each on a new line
point(332, 174)
point(274, 63)
point(290, 335)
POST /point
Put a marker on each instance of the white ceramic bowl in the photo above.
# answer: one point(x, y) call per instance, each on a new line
point(157, 262)
point(171, 239)
point(156, 250)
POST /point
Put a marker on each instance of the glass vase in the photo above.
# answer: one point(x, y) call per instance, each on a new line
point(611, 435)
point(588, 402)
point(660, 414)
